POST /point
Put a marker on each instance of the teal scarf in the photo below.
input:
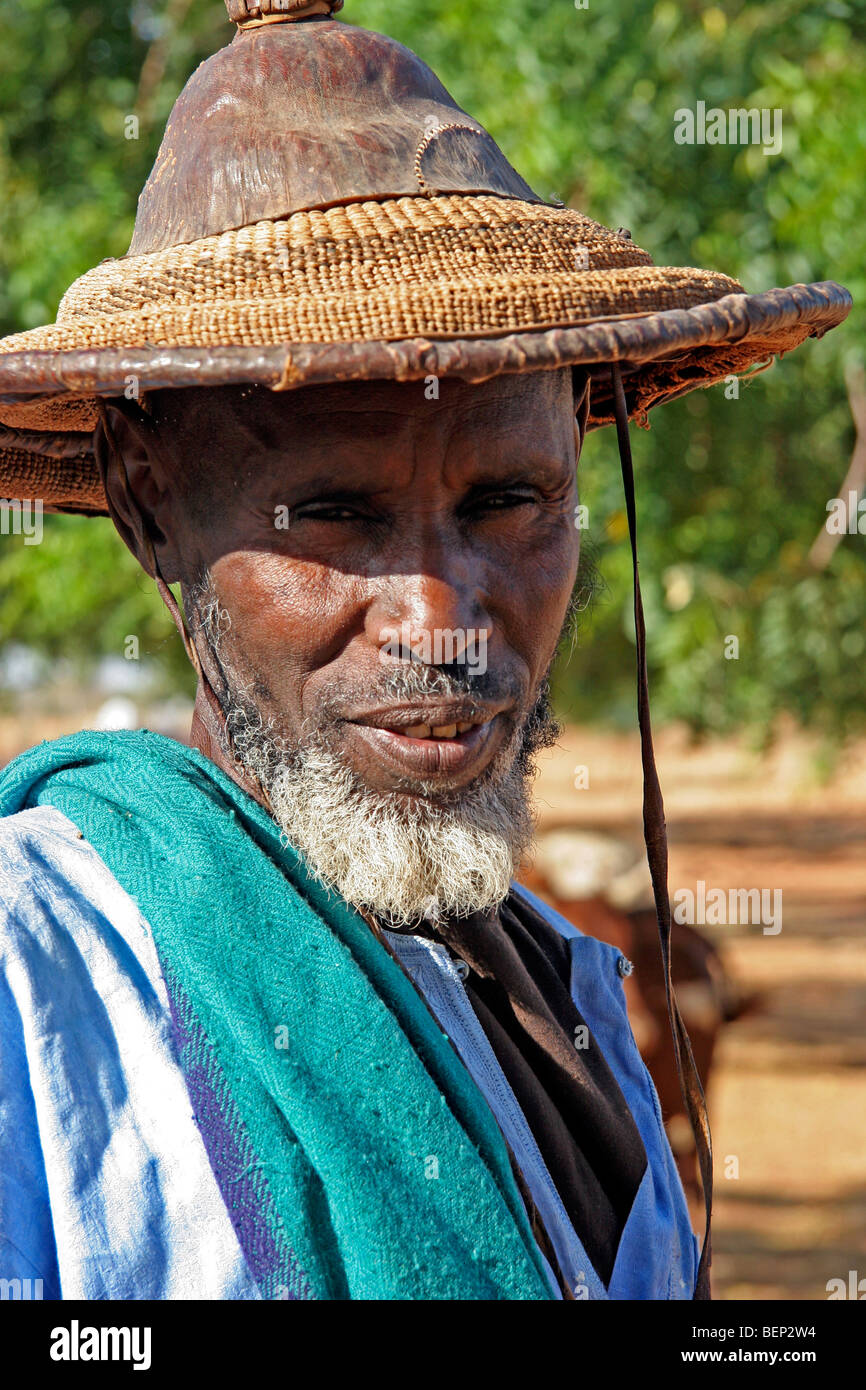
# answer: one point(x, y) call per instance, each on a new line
point(355, 1154)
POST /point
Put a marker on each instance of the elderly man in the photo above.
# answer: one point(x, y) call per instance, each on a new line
point(275, 1020)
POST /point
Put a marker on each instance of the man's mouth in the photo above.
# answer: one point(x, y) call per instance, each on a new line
point(439, 741)
point(437, 724)
point(440, 731)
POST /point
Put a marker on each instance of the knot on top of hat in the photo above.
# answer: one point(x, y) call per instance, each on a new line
point(248, 14)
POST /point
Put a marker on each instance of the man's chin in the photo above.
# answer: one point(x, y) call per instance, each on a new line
point(404, 827)
point(402, 857)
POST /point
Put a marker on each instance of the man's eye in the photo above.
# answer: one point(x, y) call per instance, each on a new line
point(503, 501)
point(327, 511)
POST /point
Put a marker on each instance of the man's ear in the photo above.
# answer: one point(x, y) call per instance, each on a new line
point(136, 488)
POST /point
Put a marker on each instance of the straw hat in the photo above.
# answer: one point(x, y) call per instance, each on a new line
point(321, 210)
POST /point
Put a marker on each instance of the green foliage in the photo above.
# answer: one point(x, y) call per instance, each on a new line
point(80, 594)
point(732, 493)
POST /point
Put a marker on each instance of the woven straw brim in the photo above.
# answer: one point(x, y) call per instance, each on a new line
point(454, 285)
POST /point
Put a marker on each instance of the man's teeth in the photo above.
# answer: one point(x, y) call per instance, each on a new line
point(437, 730)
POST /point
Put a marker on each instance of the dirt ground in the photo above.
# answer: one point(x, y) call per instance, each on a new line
point(787, 1096)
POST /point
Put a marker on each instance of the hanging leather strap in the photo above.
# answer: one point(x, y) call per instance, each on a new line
point(655, 836)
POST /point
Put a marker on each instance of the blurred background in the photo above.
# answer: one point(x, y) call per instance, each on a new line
point(762, 742)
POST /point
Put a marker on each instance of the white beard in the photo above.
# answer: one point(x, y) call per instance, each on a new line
point(402, 858)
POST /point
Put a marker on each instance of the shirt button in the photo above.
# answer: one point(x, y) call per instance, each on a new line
point(624, 967)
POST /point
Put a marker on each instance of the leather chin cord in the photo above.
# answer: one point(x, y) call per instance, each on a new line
point(655, 836)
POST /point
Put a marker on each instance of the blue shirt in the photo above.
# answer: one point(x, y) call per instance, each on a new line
point(106, 1191)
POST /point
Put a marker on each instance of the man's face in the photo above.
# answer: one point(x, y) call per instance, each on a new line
point(387, 574)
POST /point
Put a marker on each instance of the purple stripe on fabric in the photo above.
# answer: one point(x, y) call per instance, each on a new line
point(242, 1184)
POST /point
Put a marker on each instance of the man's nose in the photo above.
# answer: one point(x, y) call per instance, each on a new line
point(428, 617)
